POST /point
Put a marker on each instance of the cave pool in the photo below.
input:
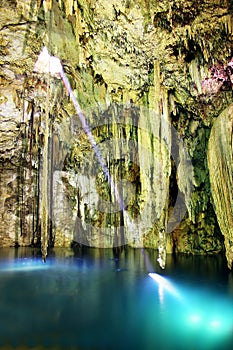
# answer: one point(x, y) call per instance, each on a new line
point(97, 299)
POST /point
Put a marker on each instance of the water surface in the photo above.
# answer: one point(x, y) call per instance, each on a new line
point(97, 300)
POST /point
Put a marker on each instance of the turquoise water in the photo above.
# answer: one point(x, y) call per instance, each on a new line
point(96, 300)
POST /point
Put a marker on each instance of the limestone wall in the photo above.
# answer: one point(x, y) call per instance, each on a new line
point(141, 71)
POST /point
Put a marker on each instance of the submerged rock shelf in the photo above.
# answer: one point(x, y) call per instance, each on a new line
point(152, 78)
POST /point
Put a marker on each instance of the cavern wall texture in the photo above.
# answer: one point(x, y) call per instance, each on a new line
point(151, 77)
point(221, 172)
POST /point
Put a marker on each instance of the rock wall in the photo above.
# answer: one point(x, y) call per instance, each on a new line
point(142, 72)
point(220, 168)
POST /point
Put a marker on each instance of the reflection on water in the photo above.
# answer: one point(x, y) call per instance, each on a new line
point(99, 300)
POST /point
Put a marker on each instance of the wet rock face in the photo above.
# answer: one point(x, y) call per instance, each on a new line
point(220, 167)
point(15, 207)
point(150, 63)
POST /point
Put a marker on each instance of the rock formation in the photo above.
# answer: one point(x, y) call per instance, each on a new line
point(151, 78)
point(221, 172)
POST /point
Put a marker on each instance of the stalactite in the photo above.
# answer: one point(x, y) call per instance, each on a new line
point(37, 232)
point(51, 238)
point(228, 23)
point(195, 73)
point(22, 176)
point(160, 104)
point(185, 179)
point(165, 150)
point(70, 7)
point(47, 5)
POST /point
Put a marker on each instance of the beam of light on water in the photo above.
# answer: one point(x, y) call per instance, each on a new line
point(24, 265)
point(165, 284)
point(215, 324)
point(195, 318)
point(199, 314)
